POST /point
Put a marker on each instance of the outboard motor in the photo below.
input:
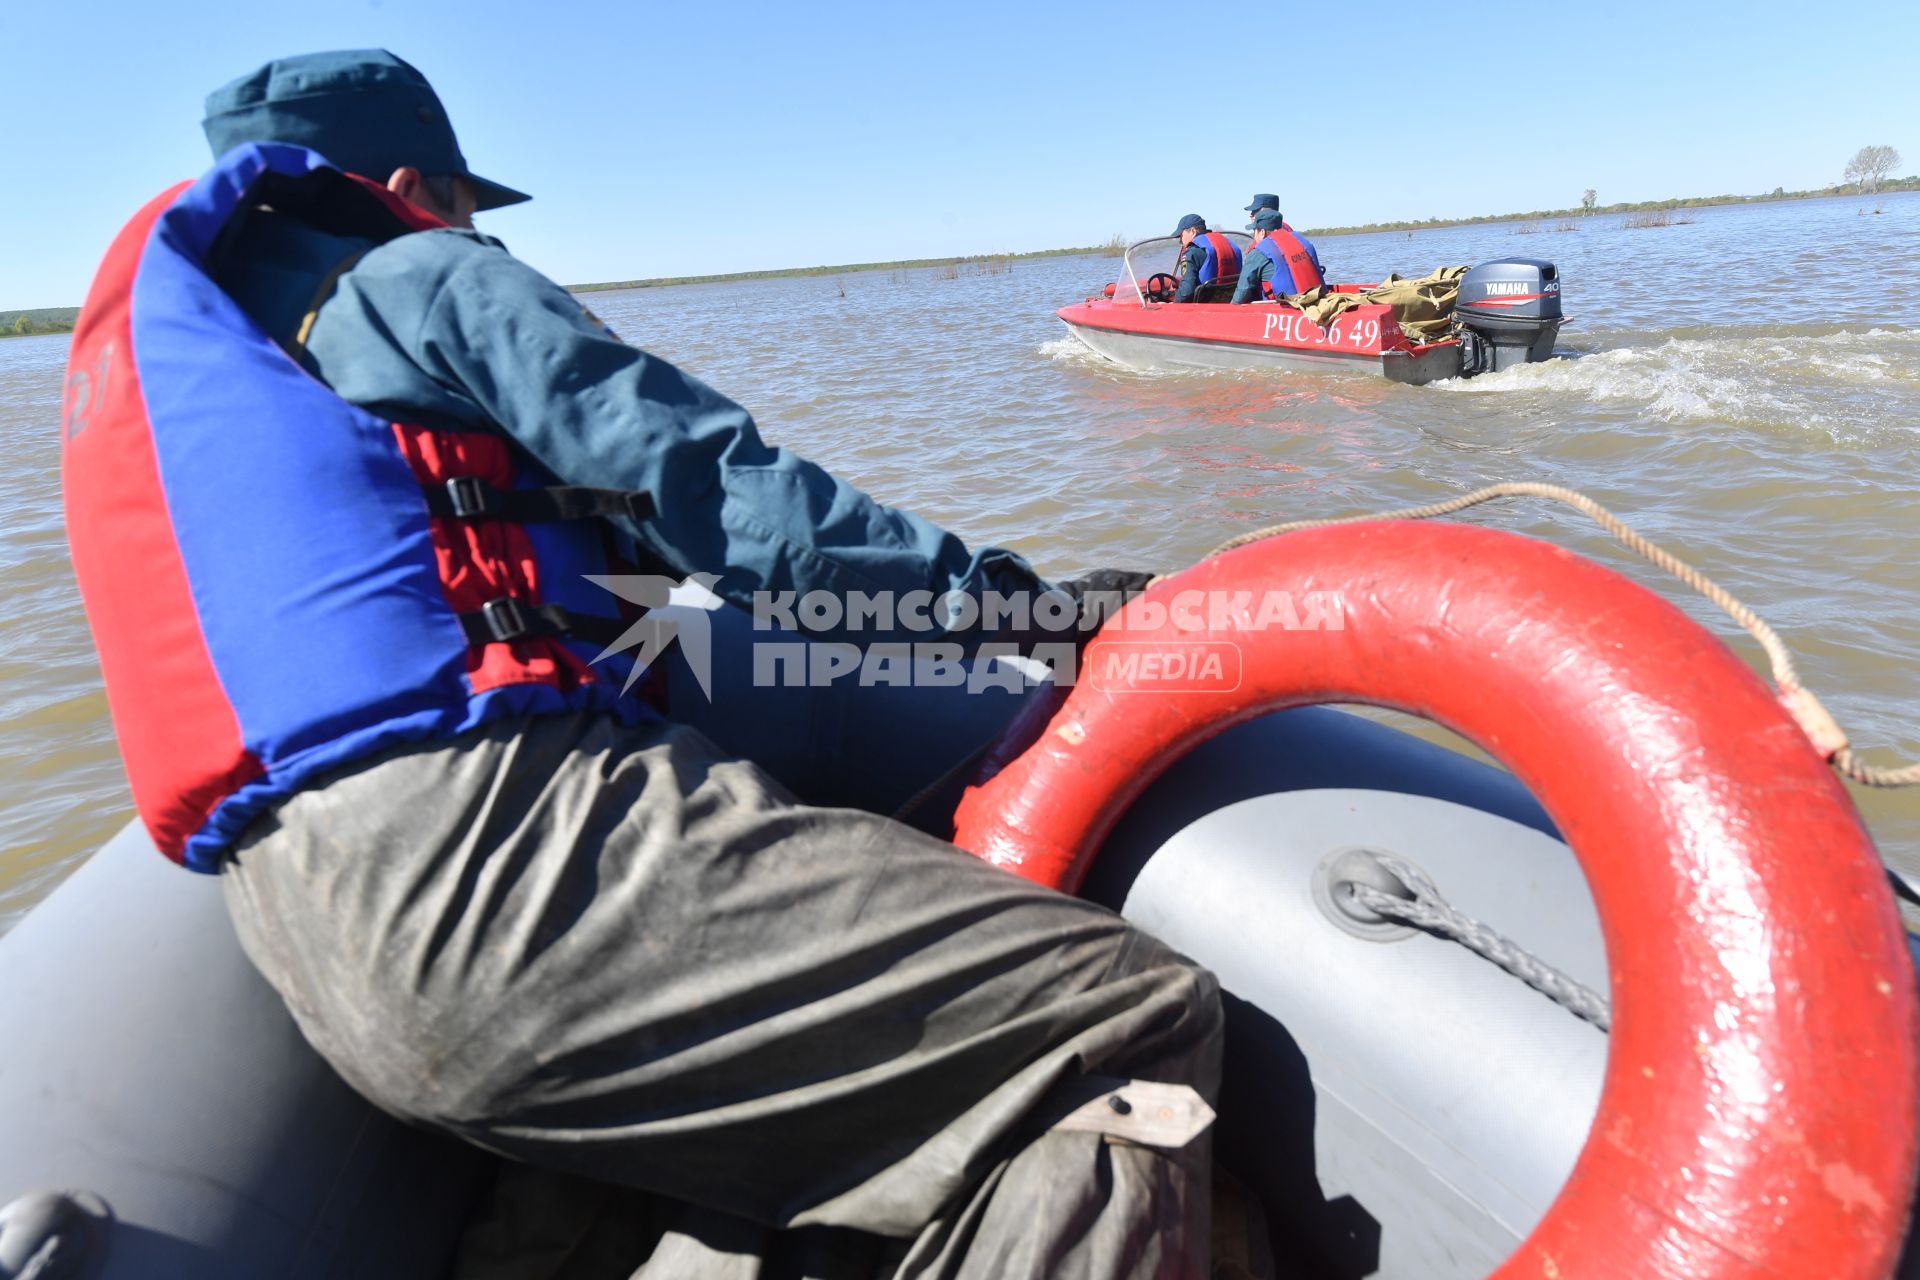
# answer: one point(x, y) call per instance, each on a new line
point(1509, 310)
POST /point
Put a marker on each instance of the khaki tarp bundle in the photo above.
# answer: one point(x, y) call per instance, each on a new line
point(1424, 307)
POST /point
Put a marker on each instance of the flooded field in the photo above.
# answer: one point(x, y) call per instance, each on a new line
point(1743, 386)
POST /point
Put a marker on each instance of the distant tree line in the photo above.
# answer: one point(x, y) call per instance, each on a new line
point(1589, 204)
point(19, 324)
point(988, 263)
point(1865, 173)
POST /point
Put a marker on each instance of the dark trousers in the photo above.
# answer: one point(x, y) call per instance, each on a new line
point(622, 954)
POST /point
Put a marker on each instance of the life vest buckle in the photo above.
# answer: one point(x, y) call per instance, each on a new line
point(503, 617)
point(468, 496)
point(472, 498)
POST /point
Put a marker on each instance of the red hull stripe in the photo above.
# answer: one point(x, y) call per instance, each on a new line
point(1512, 301)
point(134, 583)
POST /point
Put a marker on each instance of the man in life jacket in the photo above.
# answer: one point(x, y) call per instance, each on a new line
point(1209, 262)
point(345, 480)
point(1281, 264)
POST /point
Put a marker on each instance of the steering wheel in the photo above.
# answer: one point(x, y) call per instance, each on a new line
point(1161, 287)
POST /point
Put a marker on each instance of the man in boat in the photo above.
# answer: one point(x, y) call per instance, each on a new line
point(1262, 200)
point(525, 909)
point(1282, 263)
point(1209, 262)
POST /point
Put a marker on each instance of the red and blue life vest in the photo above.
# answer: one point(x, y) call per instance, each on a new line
point(1294, 263)
point(1223, 257)
point(278, 581)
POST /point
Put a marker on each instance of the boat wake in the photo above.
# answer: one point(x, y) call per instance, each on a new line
point(1073, 353)
point(1848, 386)
point(1069, 350)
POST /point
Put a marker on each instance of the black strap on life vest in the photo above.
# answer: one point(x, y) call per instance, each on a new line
point(511, 618)
point(508, 618)
point(471, 498)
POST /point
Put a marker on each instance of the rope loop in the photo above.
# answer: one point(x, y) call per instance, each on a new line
point(1821, 729)
point(1429, 911)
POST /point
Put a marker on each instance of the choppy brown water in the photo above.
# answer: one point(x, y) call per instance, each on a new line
point(1745, 388)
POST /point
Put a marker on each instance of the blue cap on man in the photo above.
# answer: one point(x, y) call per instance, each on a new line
point(1191, 220)
point(1263, 201)
point(1266, 220)
point(365, 110)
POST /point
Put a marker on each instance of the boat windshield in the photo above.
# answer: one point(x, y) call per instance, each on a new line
point(1158, 256)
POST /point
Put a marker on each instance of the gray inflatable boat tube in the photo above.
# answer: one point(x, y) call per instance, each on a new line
point(1402, 1108)
point(148, 1065)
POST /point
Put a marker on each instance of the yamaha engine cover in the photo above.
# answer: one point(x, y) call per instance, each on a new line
point(1514, 305)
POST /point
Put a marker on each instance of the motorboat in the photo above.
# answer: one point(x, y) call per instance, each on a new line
point(1507, 312)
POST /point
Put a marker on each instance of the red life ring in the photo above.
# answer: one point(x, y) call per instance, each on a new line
point(1759, 1112)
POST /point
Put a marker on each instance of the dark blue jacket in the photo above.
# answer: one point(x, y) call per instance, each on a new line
point(448, 326)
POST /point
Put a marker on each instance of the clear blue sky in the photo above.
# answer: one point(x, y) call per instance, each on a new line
point(693, 138)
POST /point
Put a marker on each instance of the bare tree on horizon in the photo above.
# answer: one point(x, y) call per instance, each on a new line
point(1587, 199)
point(1870, 166)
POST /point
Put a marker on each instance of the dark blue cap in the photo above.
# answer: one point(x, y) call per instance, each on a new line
point(1266, 220)
point(363, 109)
point(1191, 220)
point(1263, 201)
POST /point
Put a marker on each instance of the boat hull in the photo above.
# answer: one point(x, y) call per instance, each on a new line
point(1167, 353)
point(1218, 336)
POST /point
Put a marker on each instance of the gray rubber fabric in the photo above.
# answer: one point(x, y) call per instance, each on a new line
point(617, 953)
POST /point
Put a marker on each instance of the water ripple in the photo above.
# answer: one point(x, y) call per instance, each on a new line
point(1746, 390)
